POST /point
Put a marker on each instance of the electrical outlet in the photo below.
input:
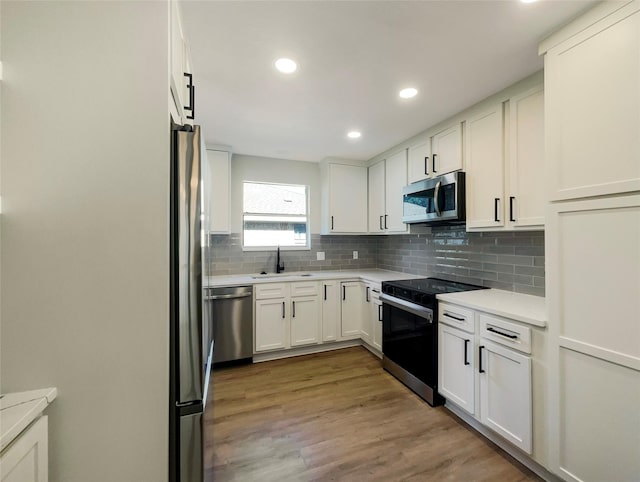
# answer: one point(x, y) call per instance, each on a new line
point(320, 255)
point(355, 255)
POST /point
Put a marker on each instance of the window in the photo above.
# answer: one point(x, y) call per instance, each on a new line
point(275, 215)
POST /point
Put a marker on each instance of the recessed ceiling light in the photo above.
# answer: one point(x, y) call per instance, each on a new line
point(354, 134)
point(286, 66)
point(408, 93)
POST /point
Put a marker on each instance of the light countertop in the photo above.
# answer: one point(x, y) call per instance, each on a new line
point(18, 410)
point(516, 306)
point(372, 275)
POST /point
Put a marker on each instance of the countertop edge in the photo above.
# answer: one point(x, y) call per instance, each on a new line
point(23, 408)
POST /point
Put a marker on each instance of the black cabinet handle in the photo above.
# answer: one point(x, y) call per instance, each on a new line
point(495, 209)
point(331, 222)
point(426, 164)
point(493, 330)
point(293, 309)
point(192, 96)
point(379, 312)
point(511, 198)
point(325, 292)
point(385, 221)
point(381, 228)
point(433, 162)
point(283, 309)
point(451, 316)
point(344, 293)
point(480, 348)
point(466, 359)
point(367, 295)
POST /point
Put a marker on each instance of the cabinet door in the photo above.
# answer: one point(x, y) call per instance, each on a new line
point(347, 199)
point(446, 149)
point(367, 315)
point(456, 367)
point(218, 184)
point(395, 180)
point(25, 460)
point(593, 105)
point(525, 203)
point(352, 308)
point(419, 161)
point(305, 320)
point(376, 331)
point(272, 324)
point(330, 310)
point(485, 169)
point(376, 198)
point(505, 393)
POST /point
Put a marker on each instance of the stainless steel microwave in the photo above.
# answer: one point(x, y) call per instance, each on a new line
point(439, 200)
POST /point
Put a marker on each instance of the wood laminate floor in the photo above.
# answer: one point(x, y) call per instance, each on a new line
point(339, 416)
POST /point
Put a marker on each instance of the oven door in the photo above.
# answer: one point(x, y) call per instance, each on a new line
point(434, 200)
point(409, 338)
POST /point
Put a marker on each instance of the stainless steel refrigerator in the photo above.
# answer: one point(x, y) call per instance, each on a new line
point(191, 346)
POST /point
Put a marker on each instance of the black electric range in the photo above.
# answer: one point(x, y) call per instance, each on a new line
point(410, 331)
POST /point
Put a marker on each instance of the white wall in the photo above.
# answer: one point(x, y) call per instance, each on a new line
point(84, 248)
point(250, 168)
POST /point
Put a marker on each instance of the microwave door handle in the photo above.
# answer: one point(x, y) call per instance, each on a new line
point(435, 199)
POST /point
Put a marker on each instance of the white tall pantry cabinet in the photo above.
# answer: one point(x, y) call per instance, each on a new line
point(592, 136)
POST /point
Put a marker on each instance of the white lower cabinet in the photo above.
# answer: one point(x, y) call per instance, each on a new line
point(330, 310)
point(352, 308)
point(480, 371)
point(272, 324)
point(376, 331)
point(305, 320)
point(371, 332)
point(25, 459)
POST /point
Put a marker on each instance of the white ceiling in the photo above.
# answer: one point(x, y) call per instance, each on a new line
point(353, 57)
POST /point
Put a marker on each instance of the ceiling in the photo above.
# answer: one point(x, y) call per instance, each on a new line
point(353, 57)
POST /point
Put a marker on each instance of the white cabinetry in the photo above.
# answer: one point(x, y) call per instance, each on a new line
point(352, 308)
point(418, 163)
point(446, 150)
point(593, 105)
point(287, 314)
point(367, 318)
point(330, 310)
point(25, 460)
point(592, 75)
point(180, 95)
point(480, 371)
point(344, 199)
point(217, 189)
point(506, 193)
point(386, 180)
point(376, 331)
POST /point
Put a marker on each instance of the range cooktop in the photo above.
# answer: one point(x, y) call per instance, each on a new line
point(424, 290)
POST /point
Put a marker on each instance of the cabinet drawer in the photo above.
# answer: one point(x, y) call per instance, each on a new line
point(505, 332)
point(456, 316)
point(271, 290)
point(304, 288)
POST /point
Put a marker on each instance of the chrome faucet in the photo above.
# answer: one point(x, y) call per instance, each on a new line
point(279, 264)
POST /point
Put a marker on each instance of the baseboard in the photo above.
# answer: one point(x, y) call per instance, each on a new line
point(305, 350)
point(521, 457)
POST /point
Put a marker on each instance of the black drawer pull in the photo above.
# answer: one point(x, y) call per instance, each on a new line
point(325, 292)
point(511, 218)
point(283, 309)
point(497, 332)
point(454, 317)
point(332, 222)
point(344, 293)
point(480, 348)
point(466, 359)
point(293, 311)
point(495, 209)
point(385, 221)
point(379, 312)
point(426, 165)
point(367, 295)
point(433, 162)
point(192, 96)
point(381, 228)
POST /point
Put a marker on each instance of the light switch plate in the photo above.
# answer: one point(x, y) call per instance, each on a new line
point(355, 255)
point(320, 255)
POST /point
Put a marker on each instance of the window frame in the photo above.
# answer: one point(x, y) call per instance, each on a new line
point(306, 247)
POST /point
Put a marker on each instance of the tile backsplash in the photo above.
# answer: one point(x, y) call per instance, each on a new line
point(511, 261)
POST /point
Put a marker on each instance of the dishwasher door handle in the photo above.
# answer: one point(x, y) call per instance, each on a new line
point(227, 297)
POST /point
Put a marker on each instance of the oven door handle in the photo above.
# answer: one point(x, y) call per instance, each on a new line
point(421, 311)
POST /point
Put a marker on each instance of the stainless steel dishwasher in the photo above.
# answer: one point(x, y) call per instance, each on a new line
point(231, 311)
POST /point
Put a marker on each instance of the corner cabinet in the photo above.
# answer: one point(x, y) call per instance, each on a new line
point(386, 180)
point(344, 199)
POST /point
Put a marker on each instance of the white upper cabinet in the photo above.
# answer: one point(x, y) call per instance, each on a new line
point(446, 150)
point(216, 170)
point(344, 200)
point(181, 94)
point(593, 108)
point(386, 180)
point(526, 195)
point(485, 168)
point(376, 197)
point(419, 161)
